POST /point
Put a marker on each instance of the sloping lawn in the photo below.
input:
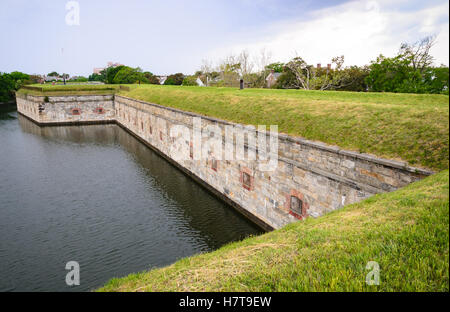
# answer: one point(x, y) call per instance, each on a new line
point(406, 232)
point(408, 127)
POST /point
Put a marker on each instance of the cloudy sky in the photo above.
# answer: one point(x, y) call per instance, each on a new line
point(175, 36)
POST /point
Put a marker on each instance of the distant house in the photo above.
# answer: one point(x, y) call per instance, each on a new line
point(53, 78)
point(161, 79)
point(98, 70)
point(200, 82)
point(272, 78)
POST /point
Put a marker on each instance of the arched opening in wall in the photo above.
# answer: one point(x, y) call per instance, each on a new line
point(99, 110)
point(76, 111)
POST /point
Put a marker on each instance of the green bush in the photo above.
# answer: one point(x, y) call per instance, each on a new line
point(128, 75)
point(175, 79)
point(190, 81)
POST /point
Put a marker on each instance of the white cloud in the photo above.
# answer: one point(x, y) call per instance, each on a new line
point(359, 30)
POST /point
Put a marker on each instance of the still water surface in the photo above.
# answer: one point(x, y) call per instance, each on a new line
point(96, 195)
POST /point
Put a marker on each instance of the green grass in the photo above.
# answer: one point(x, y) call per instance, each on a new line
point(55, 90)
point(408, 127)
point(406, 232)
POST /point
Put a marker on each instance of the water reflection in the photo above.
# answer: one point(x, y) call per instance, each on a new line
point(96, 195)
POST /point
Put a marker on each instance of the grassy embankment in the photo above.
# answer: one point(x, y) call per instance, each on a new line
point(406, 232)
point(55, 90)
point(408, 127)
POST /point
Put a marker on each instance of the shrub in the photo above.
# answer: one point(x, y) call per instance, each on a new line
point(129, 75)
point(175, 79)
point(190, 81)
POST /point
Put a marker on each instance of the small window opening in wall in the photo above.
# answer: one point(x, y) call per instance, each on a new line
point(142, 126)
point(191, 150)
point(76, 111)
point(296, 206)
point(214, 164)
point(99, 110)
point(246, 181)
point(160, 135)
point(151, 130)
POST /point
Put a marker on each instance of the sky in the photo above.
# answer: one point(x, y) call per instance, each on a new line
point(164, 37)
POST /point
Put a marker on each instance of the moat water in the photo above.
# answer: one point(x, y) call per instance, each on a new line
point(96, 195)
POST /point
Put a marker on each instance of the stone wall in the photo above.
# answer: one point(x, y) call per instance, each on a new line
point(310, 178)
point(67, 109)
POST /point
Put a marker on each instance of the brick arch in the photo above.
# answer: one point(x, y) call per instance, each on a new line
point(99, 110)
point(76, 111)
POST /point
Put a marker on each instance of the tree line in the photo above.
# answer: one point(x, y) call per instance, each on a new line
point(9, 83)
point(128, 75)
point(410, 71)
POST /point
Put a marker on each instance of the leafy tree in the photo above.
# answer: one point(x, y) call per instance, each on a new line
point(20, 79)
point(111, 72)
point(387, 74)
point(152, 79)
point(410, 71)
point(190, 81)
point(53, 74)
point(354, 79)
point(169, 81)
point(418, 53)
point(286, 80)
point(19, 76)
point(129, 75)
point(7, 85)
point(276, 67)
point(337, 78)
point(255, 80)
point(175, 79)
point(437, 80)
point(97, 77)
point(12, 82)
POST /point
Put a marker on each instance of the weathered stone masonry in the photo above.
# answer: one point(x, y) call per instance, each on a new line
point(311, 178)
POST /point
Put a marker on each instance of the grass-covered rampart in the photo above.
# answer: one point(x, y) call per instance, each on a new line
point(69, 89)
point(406, 232)
point(408, 127)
